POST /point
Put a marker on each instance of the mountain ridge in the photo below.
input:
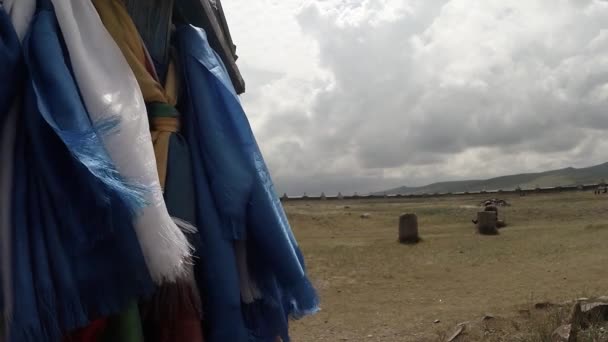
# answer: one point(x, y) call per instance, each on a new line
point(568, 176)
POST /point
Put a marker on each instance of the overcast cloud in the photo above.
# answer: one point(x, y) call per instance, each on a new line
point(364, 95)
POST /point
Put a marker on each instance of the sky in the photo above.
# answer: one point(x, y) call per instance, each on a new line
point(366, 95)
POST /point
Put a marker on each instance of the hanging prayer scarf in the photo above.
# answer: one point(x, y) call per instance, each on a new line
point(215, 266)
point(10, 73)
point(173, 312)
point(109, 90)
point(222, 142)
point(75, 253)
point(62, 108)
point(153, 21)
point(10, 59)
point(20, 13)
point(23, 325)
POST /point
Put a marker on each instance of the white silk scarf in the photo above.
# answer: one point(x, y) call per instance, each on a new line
point(110, 91)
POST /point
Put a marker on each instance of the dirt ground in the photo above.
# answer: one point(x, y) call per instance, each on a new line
point(374, 289)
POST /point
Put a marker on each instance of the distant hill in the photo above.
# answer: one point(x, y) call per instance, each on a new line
point(563, 177)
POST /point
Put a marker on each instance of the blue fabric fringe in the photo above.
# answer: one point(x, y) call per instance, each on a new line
point(226, 155)
point(67, 114)
point(58, 101)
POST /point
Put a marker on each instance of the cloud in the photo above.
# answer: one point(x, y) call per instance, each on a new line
point(349, 95)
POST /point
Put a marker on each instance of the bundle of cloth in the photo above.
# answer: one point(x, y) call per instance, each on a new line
point(133, 207)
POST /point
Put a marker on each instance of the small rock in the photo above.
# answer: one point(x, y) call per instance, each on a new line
point(595, 311)
point(586, 307)
point(563, 334)
point(487, 317)
point(459, 330)
point(365, 216)
point(437, 321)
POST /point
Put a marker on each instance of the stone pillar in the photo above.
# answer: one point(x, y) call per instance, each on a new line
point(408, 229)
point(486, 223)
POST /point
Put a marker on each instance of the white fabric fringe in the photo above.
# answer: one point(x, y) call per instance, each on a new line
point(110, 90)
point(186, 227)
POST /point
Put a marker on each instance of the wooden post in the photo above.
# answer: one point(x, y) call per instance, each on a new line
point(486, 223)
point(408, 229)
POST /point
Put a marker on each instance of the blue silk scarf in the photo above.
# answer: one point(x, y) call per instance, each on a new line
point(234, 184)
point(11, 73)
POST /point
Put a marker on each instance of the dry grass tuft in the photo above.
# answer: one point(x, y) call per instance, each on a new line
point(597, 226)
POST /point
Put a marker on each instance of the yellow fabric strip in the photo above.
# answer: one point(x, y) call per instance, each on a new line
point(162, 128)
point(160, 140)
point(119, 24)
point(172, 83)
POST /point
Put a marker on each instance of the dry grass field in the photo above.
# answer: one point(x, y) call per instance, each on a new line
point(374, 289)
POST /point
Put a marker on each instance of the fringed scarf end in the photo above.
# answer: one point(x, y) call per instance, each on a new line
point(186, 227)
point(169, 254)
point(303, 299)
point(86, 145)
